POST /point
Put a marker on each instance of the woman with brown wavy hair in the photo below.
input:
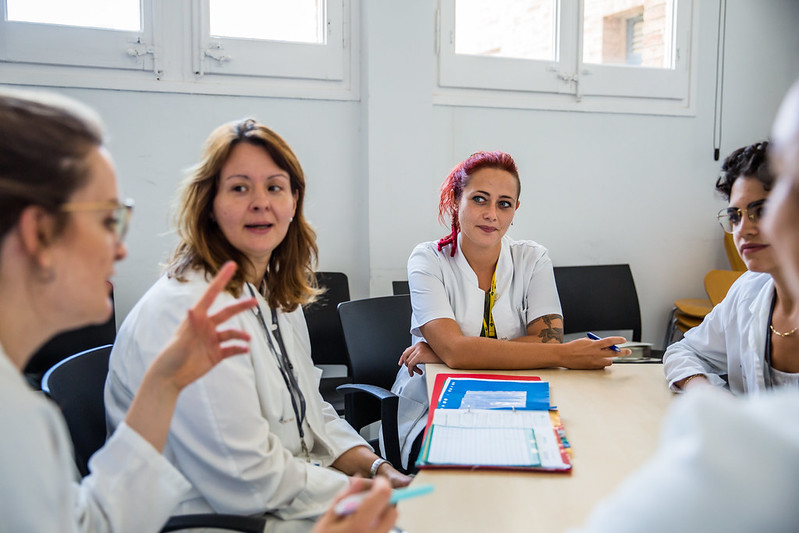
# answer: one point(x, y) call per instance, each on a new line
point(255, 435)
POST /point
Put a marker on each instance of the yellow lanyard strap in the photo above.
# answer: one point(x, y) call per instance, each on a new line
point(489, 330)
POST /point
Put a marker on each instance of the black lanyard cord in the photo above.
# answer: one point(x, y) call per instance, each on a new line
point(767, 371)
point(286, 369)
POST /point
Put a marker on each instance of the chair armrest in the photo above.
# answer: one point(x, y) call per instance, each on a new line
point(373, 390)
point(228, 522)
point(389, 402)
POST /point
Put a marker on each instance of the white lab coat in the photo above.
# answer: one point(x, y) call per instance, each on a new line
point(234, 434)
point(730, 340)
point(723, 464)
point(446, 287)
point(131, 486)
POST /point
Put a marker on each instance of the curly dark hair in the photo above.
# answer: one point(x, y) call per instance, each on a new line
point(749, 162)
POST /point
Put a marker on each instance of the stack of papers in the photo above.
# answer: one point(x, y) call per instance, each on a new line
point(494, 421)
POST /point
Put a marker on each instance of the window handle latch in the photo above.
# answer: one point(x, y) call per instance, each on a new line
point(570, 77)
point(214, 51)
point(138, 49)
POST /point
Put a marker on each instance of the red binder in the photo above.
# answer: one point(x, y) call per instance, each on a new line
point(557, 427)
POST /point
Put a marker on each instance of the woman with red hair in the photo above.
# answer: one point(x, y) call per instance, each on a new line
point(480, 299)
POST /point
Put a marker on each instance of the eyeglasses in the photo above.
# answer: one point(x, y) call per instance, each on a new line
point(731, 217)
point(121, 213)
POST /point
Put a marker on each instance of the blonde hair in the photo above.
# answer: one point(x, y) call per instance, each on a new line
point(289, 280)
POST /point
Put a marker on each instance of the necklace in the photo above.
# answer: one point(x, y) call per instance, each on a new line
point(786, 334)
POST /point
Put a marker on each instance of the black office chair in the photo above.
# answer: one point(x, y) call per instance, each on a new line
point(600, 298)
point(400, 287)
point(327, 339)
point(377, 331)
point(76, 384)
point(68, 343)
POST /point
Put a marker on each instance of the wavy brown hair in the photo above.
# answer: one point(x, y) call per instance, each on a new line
point(289, 280)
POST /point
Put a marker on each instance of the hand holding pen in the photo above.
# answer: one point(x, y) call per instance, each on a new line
point(597, 338)
point(592, 352)
point(622, 352)
point(374, 514)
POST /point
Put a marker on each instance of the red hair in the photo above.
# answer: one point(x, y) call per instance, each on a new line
point(452, 188)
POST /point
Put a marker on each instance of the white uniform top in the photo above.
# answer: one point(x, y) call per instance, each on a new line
point(446, 287)
point(730, 340)
point(131, 486)
point(723, 464)
point(234, 434)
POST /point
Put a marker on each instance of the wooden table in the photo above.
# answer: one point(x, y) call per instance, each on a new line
point(612, 420)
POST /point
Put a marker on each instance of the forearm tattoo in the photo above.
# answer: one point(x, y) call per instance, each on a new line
point(550, 333)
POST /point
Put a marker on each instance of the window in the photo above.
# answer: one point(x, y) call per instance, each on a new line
point(590, 54)
point(284, 38)
point(93, 33)
point(264, 47)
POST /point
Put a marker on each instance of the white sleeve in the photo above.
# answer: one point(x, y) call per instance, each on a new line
point(704, 348)
point(542, 293)
point(428, 293)
point(723, 464)
point(131, 488)
point(131, 485)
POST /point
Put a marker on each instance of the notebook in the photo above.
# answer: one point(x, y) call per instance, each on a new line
point(493, 421)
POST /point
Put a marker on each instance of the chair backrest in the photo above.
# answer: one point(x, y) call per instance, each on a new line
point(324, 328)
point(76, 384)
point(718, 282)
point(377, 331)
point(68, 343)
point(400, 287)
point(598, 298)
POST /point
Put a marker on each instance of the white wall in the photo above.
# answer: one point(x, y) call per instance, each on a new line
point(596, 188)
point(607, 188)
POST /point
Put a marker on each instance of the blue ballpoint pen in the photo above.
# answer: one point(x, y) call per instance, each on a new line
point(594, 337)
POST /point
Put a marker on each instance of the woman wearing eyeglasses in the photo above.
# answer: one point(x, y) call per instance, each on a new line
point(749, 337)
point(61, 230)
point(255, 435)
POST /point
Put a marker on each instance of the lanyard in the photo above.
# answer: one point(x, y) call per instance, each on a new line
point(489, 330)
point(286, 370)
point(767, 375)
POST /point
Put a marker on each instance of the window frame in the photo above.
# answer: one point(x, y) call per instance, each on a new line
point(173, 53)
point(33, 43)
point(250, 57)
point(568, 83)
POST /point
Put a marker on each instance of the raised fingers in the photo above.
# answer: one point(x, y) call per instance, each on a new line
point(233, 309)
point(216, 286)
point(231, 334)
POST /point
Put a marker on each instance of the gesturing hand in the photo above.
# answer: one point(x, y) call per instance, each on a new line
point(198, 345)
